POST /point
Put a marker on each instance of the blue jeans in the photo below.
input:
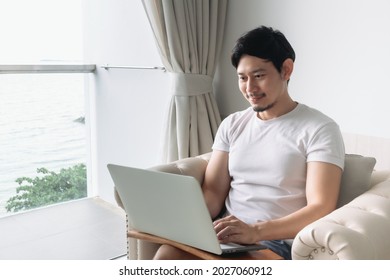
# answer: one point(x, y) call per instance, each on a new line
point(280, 247)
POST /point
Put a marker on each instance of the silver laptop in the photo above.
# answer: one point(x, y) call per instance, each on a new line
point(169, 206)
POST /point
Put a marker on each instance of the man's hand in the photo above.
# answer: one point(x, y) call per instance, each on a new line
point(231, 229)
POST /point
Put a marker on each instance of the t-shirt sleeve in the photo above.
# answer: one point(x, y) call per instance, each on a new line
point(221, 141)
point(327, 145)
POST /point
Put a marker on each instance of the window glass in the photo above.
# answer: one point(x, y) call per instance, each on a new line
point(42, 116)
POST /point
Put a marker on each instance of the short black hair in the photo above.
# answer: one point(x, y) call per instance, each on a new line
point(266, 43)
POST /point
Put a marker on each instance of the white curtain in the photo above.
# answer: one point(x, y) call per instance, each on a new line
point(189, 36)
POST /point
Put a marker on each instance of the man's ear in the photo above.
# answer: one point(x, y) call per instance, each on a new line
point(287, 69)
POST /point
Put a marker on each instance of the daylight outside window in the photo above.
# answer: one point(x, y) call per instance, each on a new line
point(42, 116)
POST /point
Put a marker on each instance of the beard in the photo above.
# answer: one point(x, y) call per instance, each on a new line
point(260, 109)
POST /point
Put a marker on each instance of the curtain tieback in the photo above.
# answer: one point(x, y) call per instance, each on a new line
point(187, 84)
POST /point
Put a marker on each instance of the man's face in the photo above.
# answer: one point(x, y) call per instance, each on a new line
point(260, 83)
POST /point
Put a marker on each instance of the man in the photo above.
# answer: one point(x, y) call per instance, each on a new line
point(276, 166)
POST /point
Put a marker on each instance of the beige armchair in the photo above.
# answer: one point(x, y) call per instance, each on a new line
point(358, 229)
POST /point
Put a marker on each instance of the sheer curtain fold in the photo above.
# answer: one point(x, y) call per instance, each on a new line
point(189, 36)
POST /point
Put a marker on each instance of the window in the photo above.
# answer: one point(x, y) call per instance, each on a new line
point(42, 116)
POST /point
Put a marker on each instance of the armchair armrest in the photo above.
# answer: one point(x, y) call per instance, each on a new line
point(358, 230)
point(193, 166)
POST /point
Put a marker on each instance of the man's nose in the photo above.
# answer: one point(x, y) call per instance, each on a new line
point(251, 86)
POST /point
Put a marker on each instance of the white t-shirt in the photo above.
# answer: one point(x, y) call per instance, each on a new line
point(267, 159)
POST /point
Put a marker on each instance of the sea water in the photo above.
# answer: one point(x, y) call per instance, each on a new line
point(41, 125)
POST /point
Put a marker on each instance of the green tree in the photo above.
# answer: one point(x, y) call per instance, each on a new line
point(50, 188)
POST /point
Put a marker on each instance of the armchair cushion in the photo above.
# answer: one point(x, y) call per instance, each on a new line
point(356, 177)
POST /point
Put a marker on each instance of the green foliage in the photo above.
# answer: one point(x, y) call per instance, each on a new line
point(51, 187)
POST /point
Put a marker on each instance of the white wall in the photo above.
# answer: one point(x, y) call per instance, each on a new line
point(343, 53)
point(127, 106)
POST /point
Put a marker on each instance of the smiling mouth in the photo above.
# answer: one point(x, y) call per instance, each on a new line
point(255, 98)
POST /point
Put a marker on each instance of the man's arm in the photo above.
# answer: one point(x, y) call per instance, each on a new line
point(322, 189)
point(216, 182)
